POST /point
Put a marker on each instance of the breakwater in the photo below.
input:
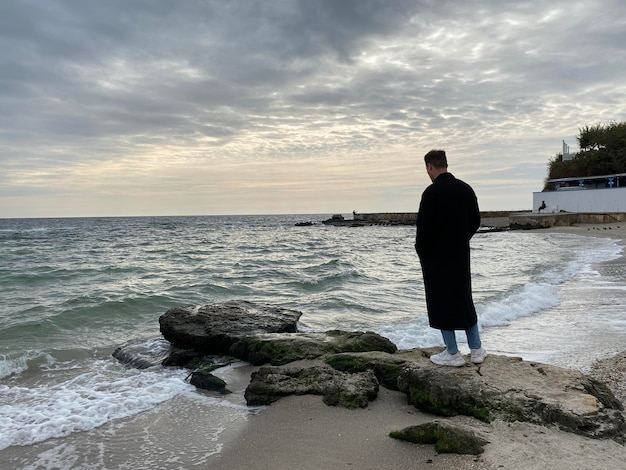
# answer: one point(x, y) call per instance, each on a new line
point(498, 219)
point(528, 220)
point(490, 220)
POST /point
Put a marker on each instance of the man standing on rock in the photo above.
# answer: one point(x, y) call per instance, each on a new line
point(448, 218)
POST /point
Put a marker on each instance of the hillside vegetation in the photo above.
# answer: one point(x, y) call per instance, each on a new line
point(602, 152)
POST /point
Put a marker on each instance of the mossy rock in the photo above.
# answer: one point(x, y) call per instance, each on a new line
point(202, 378)
point(423, 399)
point(282, 348)
point(351, 391)
point(386, 367)
point(448, 439)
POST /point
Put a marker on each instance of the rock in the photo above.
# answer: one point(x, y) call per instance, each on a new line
point(513, 390)
point(214, 328)
point(355, 363)
point(386, 367)
point(143, 354)
point(183, 358)
point(448, 438)
point(612, 372)
point(202, 378)
point(269, 384)
point(279, 349)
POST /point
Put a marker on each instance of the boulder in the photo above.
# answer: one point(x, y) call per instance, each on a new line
point(278, 349)
point(354, 363)
point(447, 438)
point(269, 384)
point(511, 389)
point(204, 379)
point(214, 328)
point(386, 367)
point(142, 354)
point(502, 387)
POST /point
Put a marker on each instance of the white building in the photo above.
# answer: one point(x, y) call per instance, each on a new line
point(566, 155)
point(597, 194)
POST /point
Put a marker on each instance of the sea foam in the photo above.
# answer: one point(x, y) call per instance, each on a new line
point(108, 392)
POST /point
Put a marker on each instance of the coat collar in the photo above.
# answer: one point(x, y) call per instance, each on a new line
point(444, 176)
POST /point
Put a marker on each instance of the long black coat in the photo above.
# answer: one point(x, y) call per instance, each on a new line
point(448, 218)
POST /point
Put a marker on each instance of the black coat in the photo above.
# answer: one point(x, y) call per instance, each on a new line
point(448, 218)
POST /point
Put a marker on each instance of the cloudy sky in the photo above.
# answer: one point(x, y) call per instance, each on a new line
point(156, 107)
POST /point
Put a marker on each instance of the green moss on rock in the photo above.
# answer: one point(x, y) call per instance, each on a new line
point(202, 378)
point(446, 438)
point(385, 366)
point(425, 400)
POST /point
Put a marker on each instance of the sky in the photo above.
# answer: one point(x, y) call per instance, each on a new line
point(209, 107)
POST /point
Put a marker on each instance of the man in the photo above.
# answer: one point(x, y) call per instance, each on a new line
point(448, 218)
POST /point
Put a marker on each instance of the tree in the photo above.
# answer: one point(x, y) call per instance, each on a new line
point(602, 152)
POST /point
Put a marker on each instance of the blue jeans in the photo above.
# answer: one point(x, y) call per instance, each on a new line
point(473, 339)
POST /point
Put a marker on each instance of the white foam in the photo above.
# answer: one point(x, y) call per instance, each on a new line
point(412, 334)
point(89, 400)
point(529, 299)
point(542, 291)
point(18, 364)
point(12, 365)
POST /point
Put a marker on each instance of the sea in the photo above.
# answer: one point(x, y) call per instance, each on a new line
point(72, 290)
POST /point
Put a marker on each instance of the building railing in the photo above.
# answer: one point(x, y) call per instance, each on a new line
point(587, 182)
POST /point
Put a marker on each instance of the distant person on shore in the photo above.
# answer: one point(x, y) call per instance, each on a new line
point(542, 206)
point(448, 218)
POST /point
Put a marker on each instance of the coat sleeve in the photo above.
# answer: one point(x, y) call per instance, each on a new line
point(475, 217)
point(427, 221)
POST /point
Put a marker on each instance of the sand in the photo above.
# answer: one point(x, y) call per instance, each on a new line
point(303, 433)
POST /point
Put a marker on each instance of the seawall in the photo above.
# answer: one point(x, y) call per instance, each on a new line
point(527, 220)
point(388, 218)
point(499, 219)
point(493, 220)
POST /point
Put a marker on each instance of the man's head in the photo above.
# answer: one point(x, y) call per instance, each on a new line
point(436, 163)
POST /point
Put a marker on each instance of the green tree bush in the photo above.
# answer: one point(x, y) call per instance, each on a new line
point(602, 152)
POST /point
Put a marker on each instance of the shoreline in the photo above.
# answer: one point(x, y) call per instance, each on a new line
point(200, 430)
point(301, 432)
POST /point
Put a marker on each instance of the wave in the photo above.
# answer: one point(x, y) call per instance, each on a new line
point(13, 365)
point(143, 354)
point(107, 391)
point(35, 361)
point(541, 291)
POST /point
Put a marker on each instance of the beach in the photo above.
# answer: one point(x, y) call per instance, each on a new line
point(73, 293)
point(304, 433)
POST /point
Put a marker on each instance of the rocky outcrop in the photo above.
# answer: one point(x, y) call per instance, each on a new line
point(447, 438)
point(502, 387)
point(346, 368)
point(278, 349)
point(386, 367)
point(204, 337)
point(214, 328)
point(269, 384)
point(612, 372)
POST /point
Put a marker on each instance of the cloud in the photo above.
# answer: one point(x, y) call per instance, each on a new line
point(319, 103)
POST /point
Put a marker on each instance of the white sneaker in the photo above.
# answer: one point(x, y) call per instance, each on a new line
point(444, 358)
point(478, 355)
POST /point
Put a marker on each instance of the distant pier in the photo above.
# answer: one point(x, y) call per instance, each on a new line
point(528, 220)
point(491, 221)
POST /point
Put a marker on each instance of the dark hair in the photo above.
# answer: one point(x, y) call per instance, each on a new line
point(437, 158)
